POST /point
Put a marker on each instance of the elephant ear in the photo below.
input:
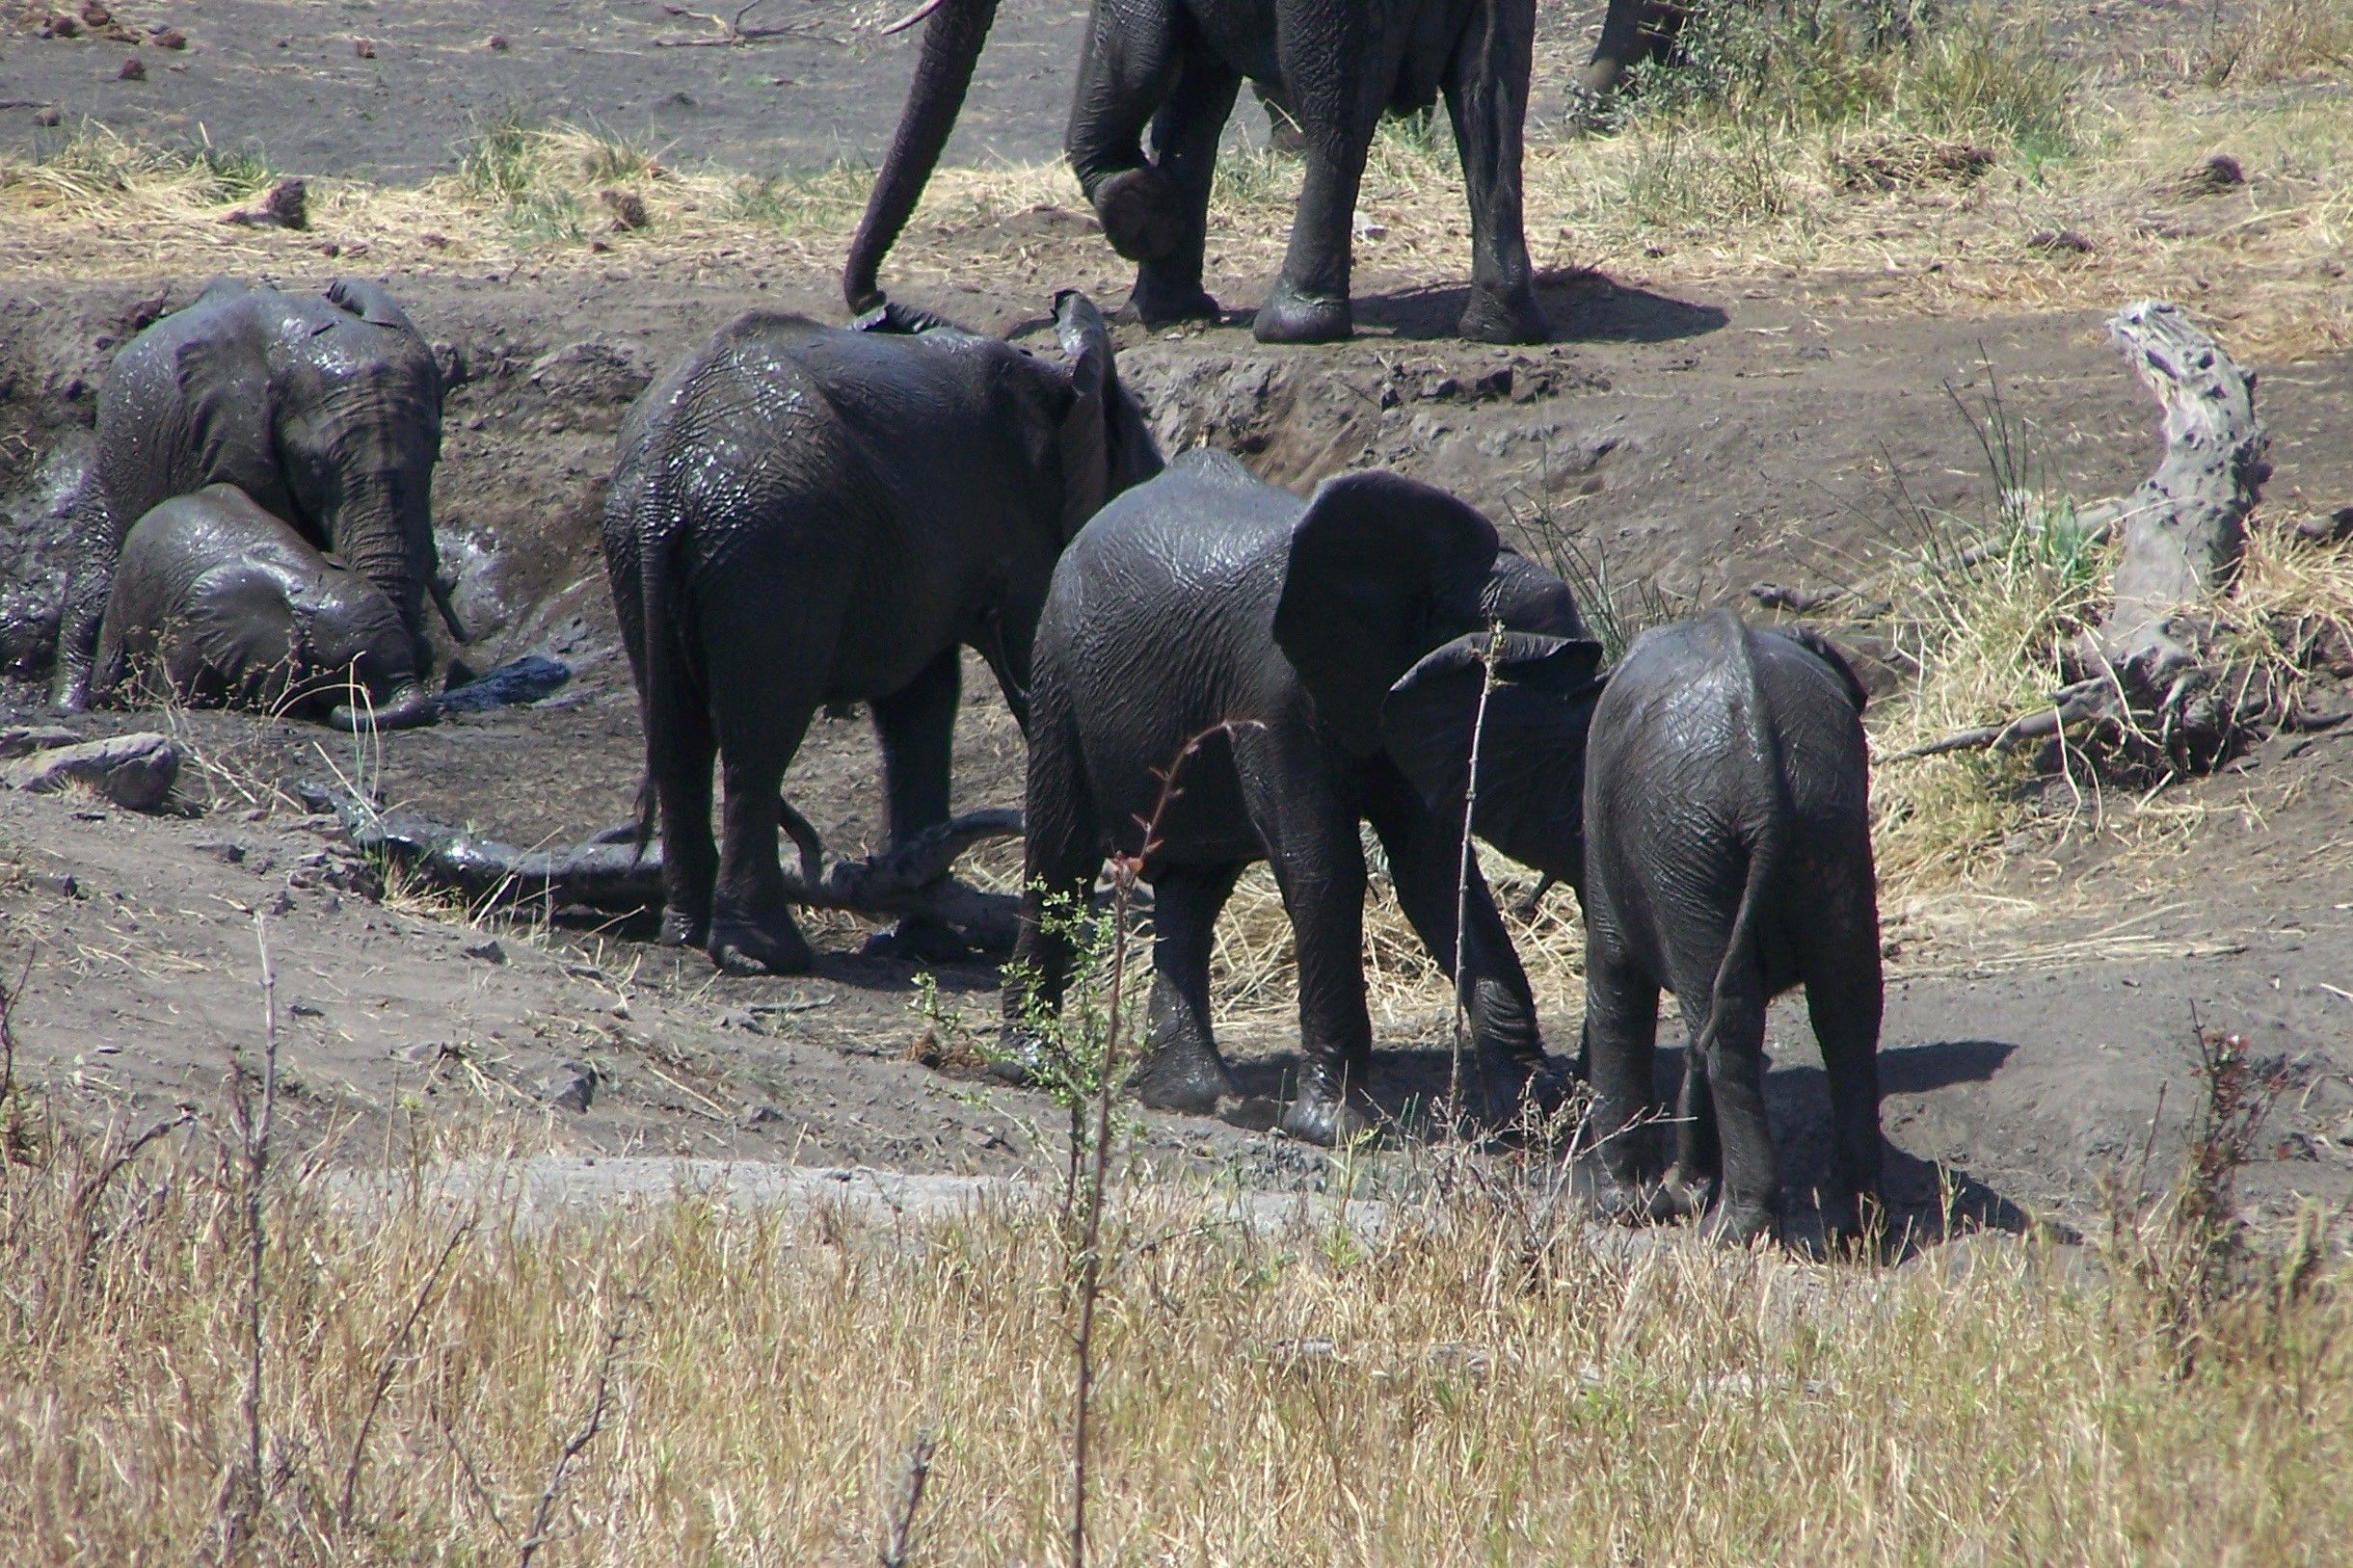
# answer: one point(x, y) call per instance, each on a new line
point(229, 400)
point(1530, 740)
point(1382, 567)
point(1084, 439)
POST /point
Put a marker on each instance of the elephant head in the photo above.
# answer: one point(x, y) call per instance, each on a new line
point(951, 47)
point(1390, 602)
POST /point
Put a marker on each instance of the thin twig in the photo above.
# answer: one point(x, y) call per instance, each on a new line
point(242, 1494)
point(910, 18)
point(1462, 875)
point(387, 1368)
point(574, 1445)
point(910, 1499)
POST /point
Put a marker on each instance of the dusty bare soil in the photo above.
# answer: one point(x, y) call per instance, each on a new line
point(1711, 437)
point(1706, 437)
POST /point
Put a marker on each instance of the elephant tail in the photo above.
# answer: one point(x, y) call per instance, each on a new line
point(668, 676)
point(1769, 797)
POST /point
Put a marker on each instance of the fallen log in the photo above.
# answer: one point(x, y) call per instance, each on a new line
point(614, 878)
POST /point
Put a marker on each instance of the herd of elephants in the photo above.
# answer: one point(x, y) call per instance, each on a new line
point(802, 515)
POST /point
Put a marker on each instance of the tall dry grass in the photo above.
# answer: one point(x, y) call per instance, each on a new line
point(1469, 1387)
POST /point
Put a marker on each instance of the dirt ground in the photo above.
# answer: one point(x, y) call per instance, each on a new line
point(1710, 436)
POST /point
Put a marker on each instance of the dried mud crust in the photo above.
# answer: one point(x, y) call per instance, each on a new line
point(1709, 438)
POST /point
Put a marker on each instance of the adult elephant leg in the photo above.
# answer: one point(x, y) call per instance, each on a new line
point(1325, 67)
point(1487, 96)
point(690, 857)
point(1425, 860)
point(1061, 851)
point(917, 728)
point(1181, 1070)
point(1185, 146)
point(1621, 1023)
point(752, 929)
point(1844, 995)
point(1632, 32)
point(1131, 63)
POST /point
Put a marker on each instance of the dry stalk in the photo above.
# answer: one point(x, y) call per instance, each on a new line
point(1464, 860)
point(910, 1500)
point(387, 1368)
point(599, 1401)
point(239, 1507)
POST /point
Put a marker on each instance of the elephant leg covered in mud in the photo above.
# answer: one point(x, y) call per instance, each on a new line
point(216, 601)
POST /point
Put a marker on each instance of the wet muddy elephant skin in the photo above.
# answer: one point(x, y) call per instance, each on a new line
point(326, 411)
point(1208, 597)
point(1175, 67)
point(219, 602)
point(803, 516)
point(1729, 858)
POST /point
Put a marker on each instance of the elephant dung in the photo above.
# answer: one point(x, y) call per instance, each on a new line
point(135, 772)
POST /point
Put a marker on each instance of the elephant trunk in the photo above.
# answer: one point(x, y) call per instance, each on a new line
point(951, 47)
point(406, 706)
point(382, 529)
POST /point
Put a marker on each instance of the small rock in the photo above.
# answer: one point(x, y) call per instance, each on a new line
point(569, 1086)
point(364, 48)
point(94, 15)
point(1773, 596)
point(489, 952)
point(1496, 383)
point(46, 116)
point(134, 70)
point(280, 906)
point(304, 1009)
point(61, 27)
point(496, 44)
point(172, 37)
point(2060, 240)
point(744, 1018)
point(627, 207)
point(2219, 173)
point(1436, 387)
point(134, 771)
point(229, 850)
point(24, 739)
point(431, 1052)
point(758, 1116)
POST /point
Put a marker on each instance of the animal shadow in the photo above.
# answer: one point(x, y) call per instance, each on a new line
point(1581, 307)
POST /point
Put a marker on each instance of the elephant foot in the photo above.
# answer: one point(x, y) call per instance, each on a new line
point(1142, 214)
point(683, 927)
point(1853, 1219)
point(1738, 1222)
point(1290, 316)
point(1522, 1096)
point(1184, 1078)
point(1617, 1199)
point(1157, 303)
point(1513, 317)
point(1020, 1058)
point(921, 939)
point(746, 947)
point(1680, 1197)
point(1327, 1114)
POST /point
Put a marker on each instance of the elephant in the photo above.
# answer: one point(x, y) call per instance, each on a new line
point(1727, 859)
point(804, 515)
point(327, 412)
point(1632, 32)
point(230, 604)
point(1209, 616)
point(1176, 65)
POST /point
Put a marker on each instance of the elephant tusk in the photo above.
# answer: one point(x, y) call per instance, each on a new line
point(910, 18)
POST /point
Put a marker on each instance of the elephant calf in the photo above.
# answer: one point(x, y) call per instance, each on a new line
point(226, 604)
point(1727, 859)
point(806, 514)
point(1342, 640)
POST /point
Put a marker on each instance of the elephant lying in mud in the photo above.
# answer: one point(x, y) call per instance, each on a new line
point(1208, 597)
point(1173, 66)
point(804, 515)
point(326, 412)
point(1729, 858)
point(216, 601)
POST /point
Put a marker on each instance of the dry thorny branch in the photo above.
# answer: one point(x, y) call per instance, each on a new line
point(599, 1404)
point(244, 1487)
point(730, 29)
point(910, 1500)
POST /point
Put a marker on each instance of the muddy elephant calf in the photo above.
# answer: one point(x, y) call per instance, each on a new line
point(219, 602)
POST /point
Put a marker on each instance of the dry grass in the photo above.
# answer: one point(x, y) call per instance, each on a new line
point(1455, 1392)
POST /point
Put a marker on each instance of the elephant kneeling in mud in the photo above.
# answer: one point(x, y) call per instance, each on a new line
point(1729, 858)
point(804, 516)
point(324, 410)
point(219, 602)
point(1326, 654)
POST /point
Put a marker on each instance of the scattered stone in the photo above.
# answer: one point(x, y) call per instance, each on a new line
point(627, 207)
point(24, 739)
point(46, 116)
point(229, 850)
point(496, 44)
point(2058, 241)
point(2334, 529)
point(94, 15)
point(134, 70)
point(758, 1116)
point(431, 1052)
point(61, 26)
point(432, 239)
point(489, 952)
point(1436, 388)
point(2219, 173)
point(1495, 383)
point(135, 772)
point(280, 906)
point(569, 1086)
point(1773, 596)
point(364, 48)
point(172, 37)
point(304, 1009)
point(743, 1018)
point(285, 206)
